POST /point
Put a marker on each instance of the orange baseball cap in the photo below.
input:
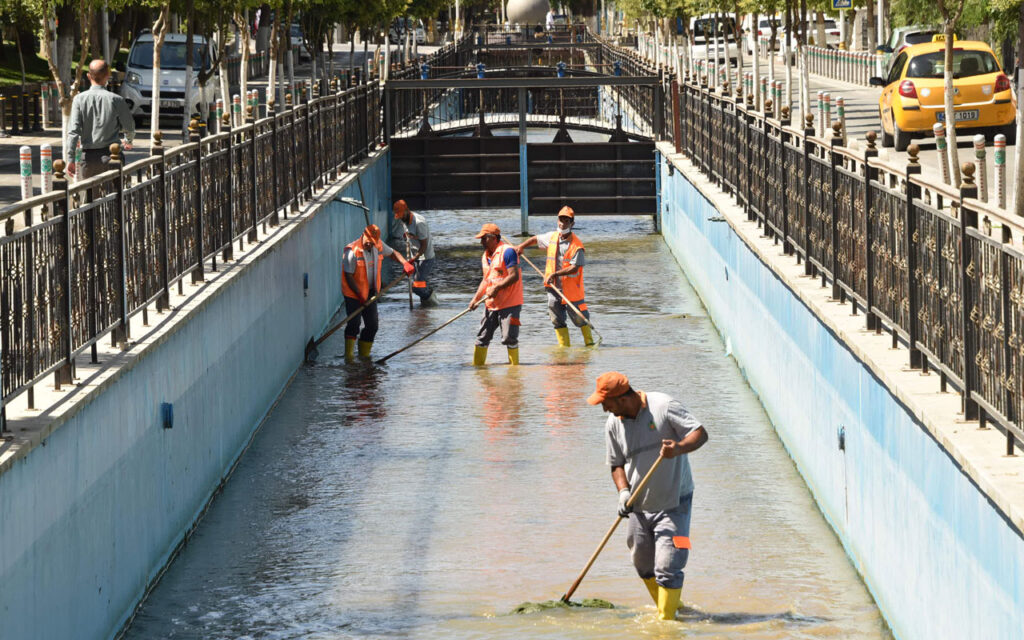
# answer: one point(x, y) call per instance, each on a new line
point(400, 208)
point(489, 228)
point(610, 384)
point(372, 233)
point(567, 211)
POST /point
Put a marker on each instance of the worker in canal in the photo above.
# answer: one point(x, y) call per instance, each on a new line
point(639, 428)
point(501, 290)
point(564, 269)
point(423, 258)
point(360, 280)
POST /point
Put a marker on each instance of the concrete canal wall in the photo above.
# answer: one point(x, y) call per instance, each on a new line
point(941, 559)
point(107, 495)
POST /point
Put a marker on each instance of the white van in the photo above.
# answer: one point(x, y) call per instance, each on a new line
point(137, 88)
point(704, 29)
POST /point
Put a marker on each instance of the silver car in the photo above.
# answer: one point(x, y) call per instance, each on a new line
point(137, 88)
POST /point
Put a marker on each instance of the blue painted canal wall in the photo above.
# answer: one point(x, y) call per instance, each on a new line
point(939, 558)
point(105, 501)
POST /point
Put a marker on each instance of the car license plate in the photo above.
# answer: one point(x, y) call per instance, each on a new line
point(960, 116)
point(170, 103)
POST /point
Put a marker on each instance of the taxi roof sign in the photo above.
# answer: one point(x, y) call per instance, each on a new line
point(941, 37)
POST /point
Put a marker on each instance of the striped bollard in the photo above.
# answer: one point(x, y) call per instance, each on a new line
point(841, 114)
point(236, 110)
point(821, 114)
point(45, 97)
point(940, 146)
point(220, 113)
point(777, 99)
point(826, 123)
point(764, 91)
point(46, 167)
point(979, 164)
point(25, 158)
point(1000, 158)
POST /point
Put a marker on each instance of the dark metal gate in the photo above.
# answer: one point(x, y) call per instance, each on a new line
point(432, 172)
point(593, 177)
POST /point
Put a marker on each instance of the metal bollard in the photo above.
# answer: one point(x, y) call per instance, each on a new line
point(827, 117)
point(46, 167)
point(25, 157)
point(236, 109)
point(764, 92)
point(979, 163)
point(220, 113)
point(1000, 162)
point(45, 96)
point(841, 114)
point(940, 146)
point(821, 114)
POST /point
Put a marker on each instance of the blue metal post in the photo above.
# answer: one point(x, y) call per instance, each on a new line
point(480, 67)
point(561, 69)
point(424, 71)
point(618, 68)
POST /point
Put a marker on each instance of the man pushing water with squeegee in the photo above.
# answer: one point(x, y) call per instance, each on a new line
point(644, 431)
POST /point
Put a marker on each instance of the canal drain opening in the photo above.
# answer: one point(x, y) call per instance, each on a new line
point(585, 603)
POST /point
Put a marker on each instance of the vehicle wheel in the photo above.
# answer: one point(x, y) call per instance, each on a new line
point(1010, 131)
point(901, 138)
point(886, 137)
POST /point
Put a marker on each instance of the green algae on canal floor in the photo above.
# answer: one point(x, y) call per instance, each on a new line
point(585, 603)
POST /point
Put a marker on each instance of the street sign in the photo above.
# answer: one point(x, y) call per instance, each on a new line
point(842, 4)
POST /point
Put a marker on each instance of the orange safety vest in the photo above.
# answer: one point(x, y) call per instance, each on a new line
point(572, 286)
point(362, 284)
point(494, 271)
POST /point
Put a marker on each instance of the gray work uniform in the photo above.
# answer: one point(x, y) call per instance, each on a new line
point(418, 232)
point(659, 527)
point(558, 310)
point(98, 117)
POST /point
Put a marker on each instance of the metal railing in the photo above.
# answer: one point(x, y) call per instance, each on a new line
point(935, 267)
point(94, 254)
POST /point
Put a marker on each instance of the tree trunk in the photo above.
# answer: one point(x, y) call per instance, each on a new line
point(159, 34)
point(1018, 189)
point(21, 58)
point(947, 76)
point(870, 26)
point(821, 38)
point(272, 75)
point(242, 23)
point(755, 34)
point(787, 54)
point(190, 62)
point(737, 29)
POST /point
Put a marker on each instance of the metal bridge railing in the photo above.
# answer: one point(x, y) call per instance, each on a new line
point(935, 267)
point(94, 254)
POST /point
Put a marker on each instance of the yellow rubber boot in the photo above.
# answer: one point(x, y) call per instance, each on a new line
point(563, 336)
point(513, 355)
point(350, 348)
point(588, 337)
point(364, 348)
point(652, 588)
point(479, 356)
point(668, 602)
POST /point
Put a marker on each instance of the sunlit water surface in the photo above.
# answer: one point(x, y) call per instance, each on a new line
point(426, 498)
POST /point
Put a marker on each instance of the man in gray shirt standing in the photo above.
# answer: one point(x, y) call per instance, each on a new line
point(98, 118)
point(642, 428)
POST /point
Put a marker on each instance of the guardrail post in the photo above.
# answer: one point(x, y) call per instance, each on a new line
point(808, 149)
point(968, 268)
point(122, 333)
point(198, 271)
point(912, 248)
point(250, 120)
point(65, 374)
point(676, 135)
point(291, 146)
point(939, 130)
point(870, 173)
point(163, 301)
point(1000, 163)
point(981, 170)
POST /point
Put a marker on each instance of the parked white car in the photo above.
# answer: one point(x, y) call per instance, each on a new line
point(137, 88)
point(704, 29)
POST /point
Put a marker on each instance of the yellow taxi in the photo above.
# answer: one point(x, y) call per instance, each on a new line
point(913, 93)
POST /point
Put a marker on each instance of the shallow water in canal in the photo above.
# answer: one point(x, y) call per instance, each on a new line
point(426, 498)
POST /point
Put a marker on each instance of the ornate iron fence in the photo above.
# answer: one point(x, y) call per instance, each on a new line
point(94, 254)
point(940, 270)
